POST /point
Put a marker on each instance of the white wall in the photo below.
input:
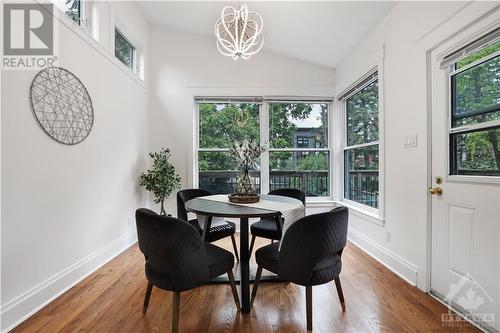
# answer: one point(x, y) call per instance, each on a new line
point(69, 209)
point(184, 66)
point(405, 34)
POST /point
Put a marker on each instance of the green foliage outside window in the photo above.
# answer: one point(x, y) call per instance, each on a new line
point(72, 9)
point(362, 116)
point(124, 51)
point(361, 165)
point(476, 99)
point(221, 124)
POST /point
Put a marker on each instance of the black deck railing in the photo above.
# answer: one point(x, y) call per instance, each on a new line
point(313, 183)
point(362, 186)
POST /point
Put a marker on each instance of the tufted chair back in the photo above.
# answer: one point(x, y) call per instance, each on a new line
point(290, 192)
point(311, 244)
point(184, 196)
point(176, 258)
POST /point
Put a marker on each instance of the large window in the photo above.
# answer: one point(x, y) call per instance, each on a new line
point(298, 147)
point(475, 113)
point(296, 134)
point(219, 125)
point(124, 50)
point(361, 149)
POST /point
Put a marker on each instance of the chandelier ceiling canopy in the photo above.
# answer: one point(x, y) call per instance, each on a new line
point(239, 32)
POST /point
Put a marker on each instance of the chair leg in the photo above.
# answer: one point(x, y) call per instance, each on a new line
point(175, 311)
point(256, 284)
point(149, 288)
point(233, 289)
point(339, 291)
point(251, 246)
point(309, 310)
point(235, 248)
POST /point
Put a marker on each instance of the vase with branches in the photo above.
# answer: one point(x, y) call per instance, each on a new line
point(161, 179)
point(246, 154)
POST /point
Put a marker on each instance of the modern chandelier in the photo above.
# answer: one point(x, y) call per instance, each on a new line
point(239, 32)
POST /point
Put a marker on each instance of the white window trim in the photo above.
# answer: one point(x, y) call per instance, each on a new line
point(92, 42)
point(264, 140)
point(327, 149)
point(376, 215)
point(479, 179)
point(116, 29)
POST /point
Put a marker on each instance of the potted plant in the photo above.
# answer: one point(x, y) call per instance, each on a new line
point(245, 154)
point(161, 179)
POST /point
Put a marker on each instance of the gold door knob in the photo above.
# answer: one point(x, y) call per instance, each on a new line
point(436, 190)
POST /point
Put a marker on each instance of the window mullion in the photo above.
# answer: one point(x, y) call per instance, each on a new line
point(264, 140)
point(362, 145)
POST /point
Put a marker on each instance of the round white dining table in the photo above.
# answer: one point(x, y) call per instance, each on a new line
point(210, 206)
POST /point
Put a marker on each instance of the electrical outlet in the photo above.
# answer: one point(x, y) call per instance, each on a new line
point(387, 236)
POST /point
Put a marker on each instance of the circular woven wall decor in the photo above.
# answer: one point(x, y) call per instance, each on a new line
point(61, 105)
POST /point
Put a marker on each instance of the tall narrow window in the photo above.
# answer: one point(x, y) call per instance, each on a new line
point(475, 112)
point(124, 50)
point(361, 150)
point(298, 147)
point(219, 125)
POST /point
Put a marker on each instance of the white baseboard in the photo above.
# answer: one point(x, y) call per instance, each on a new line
point(405, 270)
point(24, 306)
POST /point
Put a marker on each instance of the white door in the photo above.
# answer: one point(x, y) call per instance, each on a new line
point(465, 268)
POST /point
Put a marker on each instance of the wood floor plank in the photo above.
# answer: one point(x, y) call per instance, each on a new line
point(110, 300)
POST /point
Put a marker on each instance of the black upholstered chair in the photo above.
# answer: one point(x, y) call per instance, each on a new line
point(310, 254)
point(216, 232)
point(270, 227)
point(177, 259)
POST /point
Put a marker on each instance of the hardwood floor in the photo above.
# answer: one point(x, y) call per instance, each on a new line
point(110, 300)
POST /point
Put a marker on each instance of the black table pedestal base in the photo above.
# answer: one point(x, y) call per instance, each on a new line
point(266, 277)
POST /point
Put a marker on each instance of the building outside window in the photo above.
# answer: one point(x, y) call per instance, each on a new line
point(298, 147)
point(298, 155)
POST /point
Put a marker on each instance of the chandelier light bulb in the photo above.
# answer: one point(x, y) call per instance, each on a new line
point(239, 32)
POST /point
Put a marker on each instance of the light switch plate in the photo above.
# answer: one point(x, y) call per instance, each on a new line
point(410, 141)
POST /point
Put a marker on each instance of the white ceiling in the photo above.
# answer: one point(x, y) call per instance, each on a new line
point(316, 32)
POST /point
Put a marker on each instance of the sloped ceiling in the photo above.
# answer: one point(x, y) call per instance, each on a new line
point(321, 32)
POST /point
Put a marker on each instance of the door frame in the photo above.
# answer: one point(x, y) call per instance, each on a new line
point(481, 26)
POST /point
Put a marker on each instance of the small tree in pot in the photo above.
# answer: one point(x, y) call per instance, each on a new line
point(161, 179)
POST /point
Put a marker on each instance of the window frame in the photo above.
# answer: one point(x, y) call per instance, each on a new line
point(264, 138)
point(450, 72)
point(134, 50)
point(265, 179)
point(377, 213)
point(198, 149)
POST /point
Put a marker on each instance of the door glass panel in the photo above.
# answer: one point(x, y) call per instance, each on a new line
point(476, 153)
point(476, 94)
